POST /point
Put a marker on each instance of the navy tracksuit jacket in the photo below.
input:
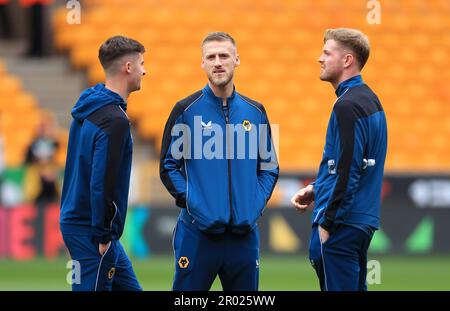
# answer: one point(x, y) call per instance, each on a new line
point(348, 186)
point(221, 185)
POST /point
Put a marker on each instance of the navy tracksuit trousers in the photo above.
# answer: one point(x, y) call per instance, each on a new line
point(111, 272)
point(200, 257)
point(340, 262)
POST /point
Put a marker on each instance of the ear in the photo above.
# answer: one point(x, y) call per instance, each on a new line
point(128, 67)
point(238, 60)
point(202, 64)
point(348, 60)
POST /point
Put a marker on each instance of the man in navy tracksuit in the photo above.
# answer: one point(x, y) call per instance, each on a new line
point(218, 162)
point(97, 173)
point(347, 191)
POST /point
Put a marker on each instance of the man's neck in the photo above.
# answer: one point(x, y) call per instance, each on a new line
point(222, 91)
point(117, 87)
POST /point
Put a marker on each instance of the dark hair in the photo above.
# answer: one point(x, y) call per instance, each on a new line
point(218, 36)
point(352, 39)
point(116, 47)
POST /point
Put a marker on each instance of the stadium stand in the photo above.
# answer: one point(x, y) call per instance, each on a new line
point(279, 43)
point(20, 116)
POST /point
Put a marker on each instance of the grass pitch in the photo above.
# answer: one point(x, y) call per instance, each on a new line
point(291, 273)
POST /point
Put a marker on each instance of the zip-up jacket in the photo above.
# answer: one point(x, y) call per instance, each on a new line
point(97, 173)
point(218, 180)
point(349, 181)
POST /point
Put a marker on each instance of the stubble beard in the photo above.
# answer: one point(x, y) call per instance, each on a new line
point(221, 82)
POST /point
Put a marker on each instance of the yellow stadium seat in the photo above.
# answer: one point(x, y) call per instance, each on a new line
point(81, 56)
point(9, 86)
point(2, 68)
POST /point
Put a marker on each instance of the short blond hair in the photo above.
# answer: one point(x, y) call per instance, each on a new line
point(219, 36)
point(352, 39)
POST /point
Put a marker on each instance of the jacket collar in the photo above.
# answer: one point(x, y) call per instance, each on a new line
point(208, 92)
point(347, 84)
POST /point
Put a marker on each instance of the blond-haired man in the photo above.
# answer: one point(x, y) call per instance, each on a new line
point(347, 191)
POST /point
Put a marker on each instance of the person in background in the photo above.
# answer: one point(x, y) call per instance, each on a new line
point(37, 10)
point(42, 185)
point(5, 21)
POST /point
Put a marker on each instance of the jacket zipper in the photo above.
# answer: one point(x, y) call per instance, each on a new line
point(226, 115)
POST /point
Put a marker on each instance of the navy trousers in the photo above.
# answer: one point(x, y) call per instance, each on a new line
point(200, 257)
point(111, 272)
point(340, 262)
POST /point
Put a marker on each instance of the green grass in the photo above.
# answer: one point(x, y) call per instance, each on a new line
point(292, 273)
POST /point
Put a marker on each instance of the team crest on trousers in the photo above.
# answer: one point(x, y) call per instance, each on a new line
point(111, 273)
point(183, 262)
